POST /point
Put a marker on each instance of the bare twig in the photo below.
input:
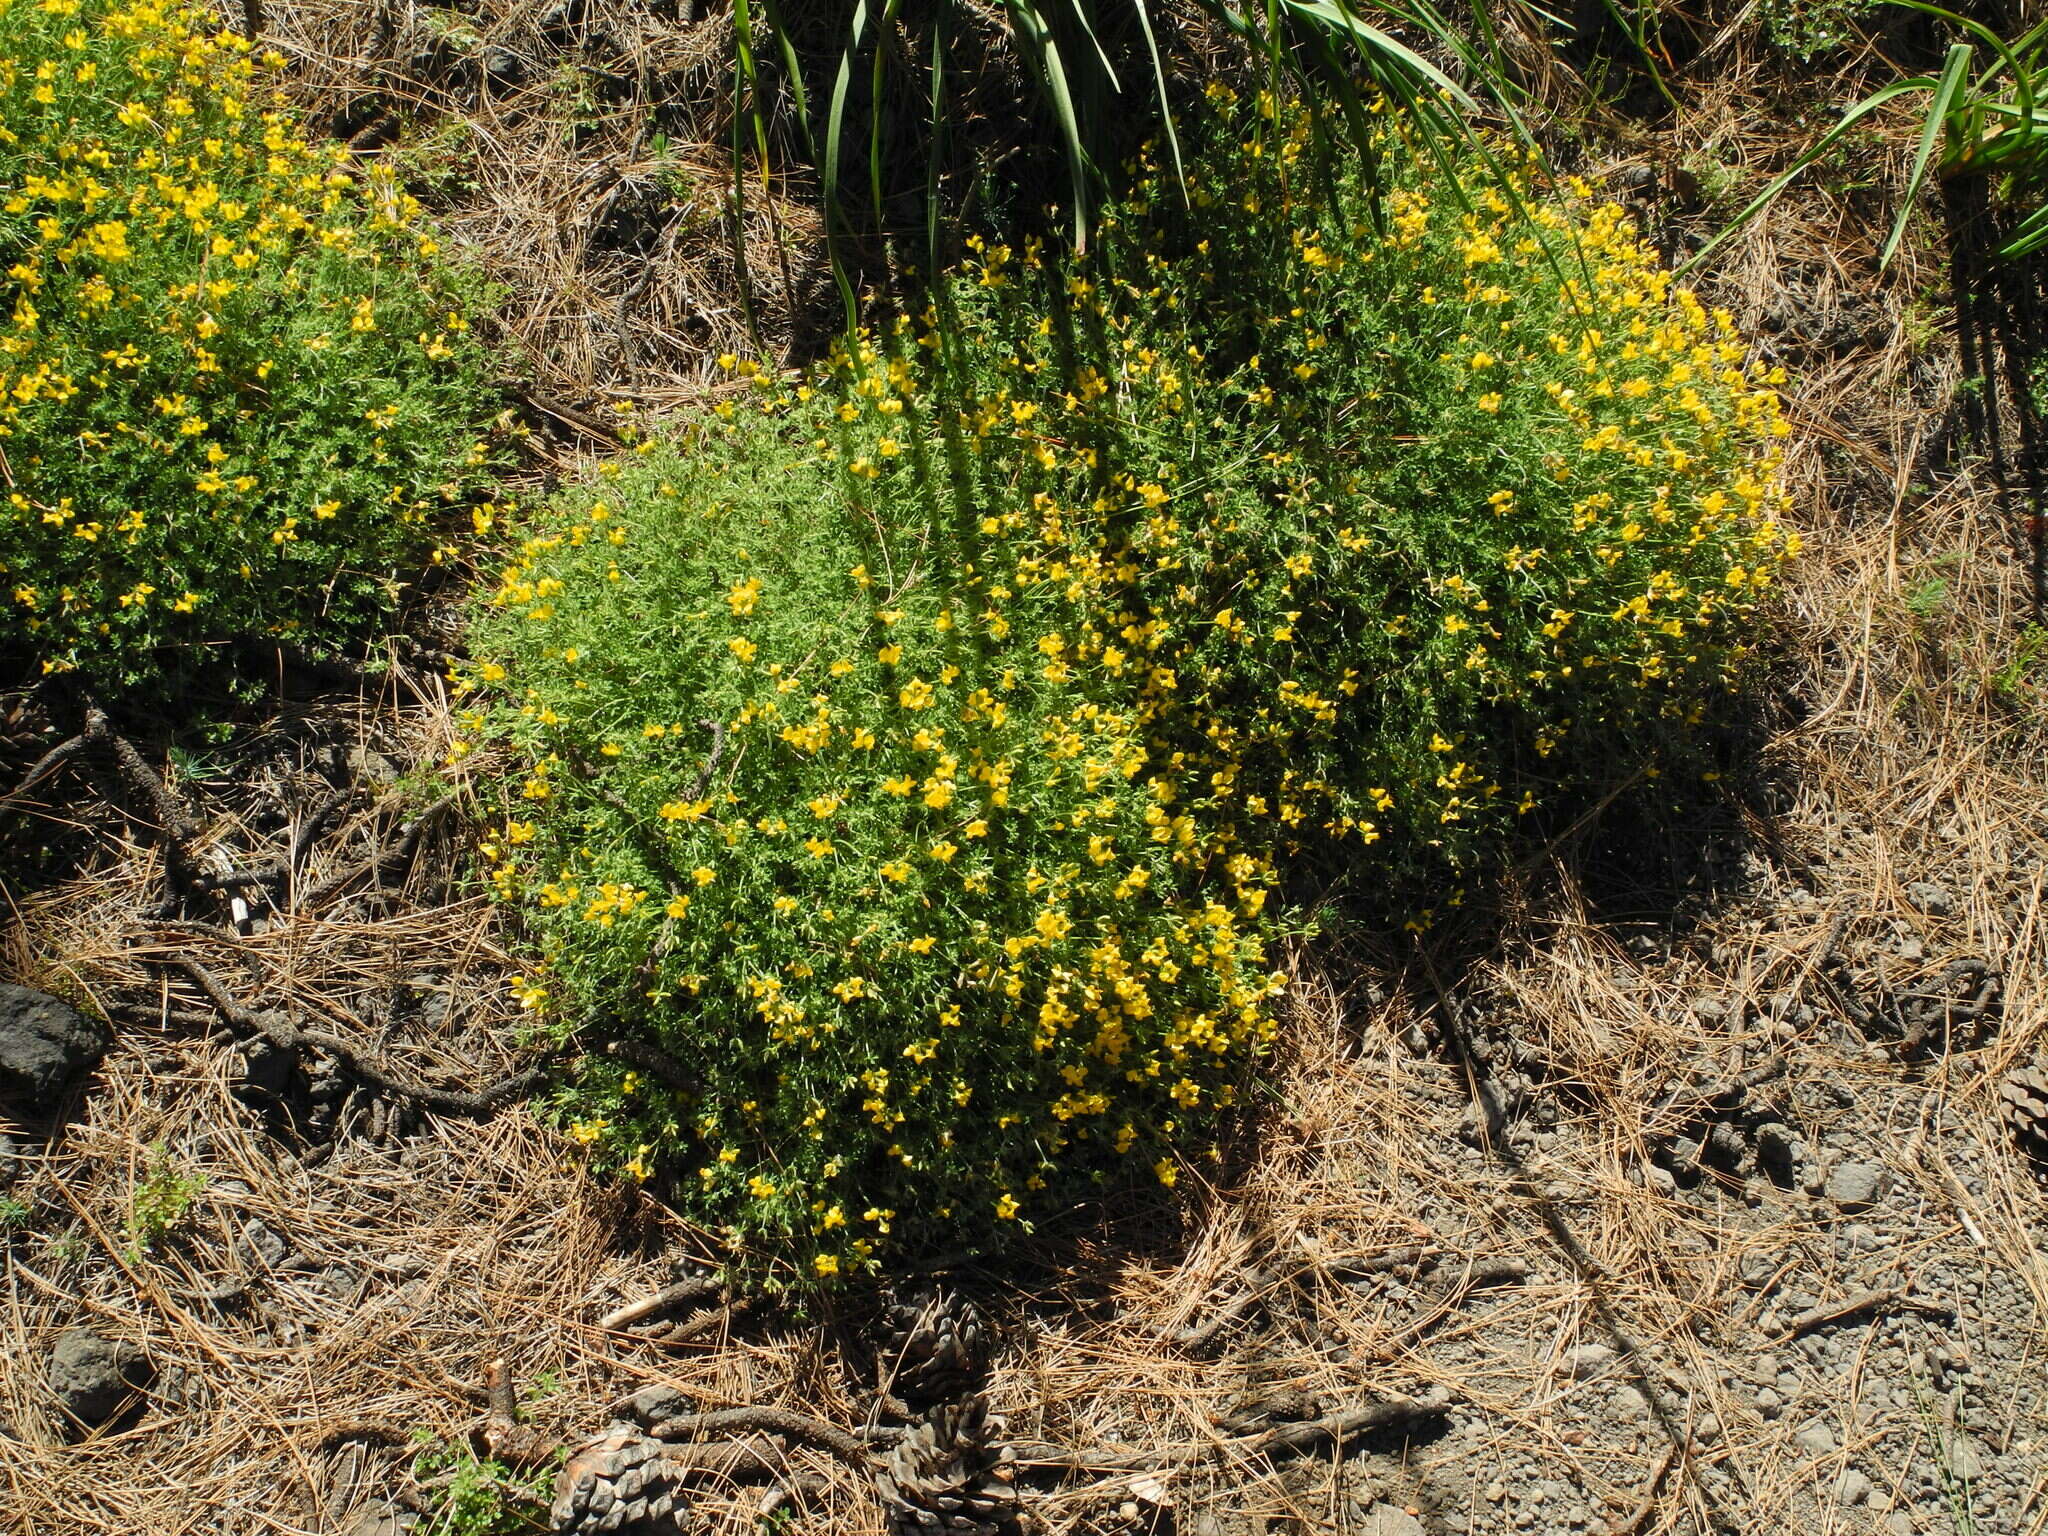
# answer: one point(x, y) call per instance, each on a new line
point(287, 1036)
point(764, 1420)
point(1894, 1299)
point(679, 1294)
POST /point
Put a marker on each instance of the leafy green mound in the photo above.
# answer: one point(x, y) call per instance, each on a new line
point(238, 384)
point(911, 755)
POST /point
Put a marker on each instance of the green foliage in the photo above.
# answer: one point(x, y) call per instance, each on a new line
point(237, 384)
point(1806, 29)
point(1098, 67)
point(1990, 122)
point(910, 755)
point(480, 1498)
point(160, 1200)
point(15, 1214)
point(2027, 667)
point(1927, 599)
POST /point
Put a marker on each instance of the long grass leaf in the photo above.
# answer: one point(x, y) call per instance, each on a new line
point(835, 112)
point(1850, 119)
point(1384, 44)
point(1159, 83)
point(1955, 74)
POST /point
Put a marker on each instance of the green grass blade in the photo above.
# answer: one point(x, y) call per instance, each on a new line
point(835, 110)
point(1849, 119)
point(1955, 73)
point(1159, 84)
point(1030, 29)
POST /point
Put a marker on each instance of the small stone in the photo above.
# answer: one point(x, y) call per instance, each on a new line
point(1629, 1405)
point(46, 1046)
point(1858, 1186)
point(1588, 1361)
point(1816, 1438)
point(1708, 1429)
point(1768, 1403)
point(1851, 1489)
point(1932, 899)
point(92, 1377)
point(1899, 1523)
point(650, 1405)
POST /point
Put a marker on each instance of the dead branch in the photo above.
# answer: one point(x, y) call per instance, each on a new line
point(772, 1421)
point(1894, 1299)
point(1333, 1429)
point(287, 1036)
point(676, 1295)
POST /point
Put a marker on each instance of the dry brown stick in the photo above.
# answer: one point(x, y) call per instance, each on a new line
point(670, 1296)
point(1309, 1435)
point(1896, 1298)
point(287, 1036)
point(1647, 1505)
point(48, 764)
point(771, 1421)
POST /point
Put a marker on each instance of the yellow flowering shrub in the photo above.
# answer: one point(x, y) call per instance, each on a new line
point(912, 909)
point(237, 383)
point(910, 754)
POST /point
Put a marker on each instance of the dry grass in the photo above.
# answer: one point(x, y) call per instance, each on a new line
point(413, 1261)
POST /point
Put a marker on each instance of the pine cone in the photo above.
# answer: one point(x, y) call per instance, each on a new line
point(933, 1345)
point(618, 1482)
point(944, 1477)
point(2025, 1098)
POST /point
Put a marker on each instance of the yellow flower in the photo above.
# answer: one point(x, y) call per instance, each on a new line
point(702, 875)
point(1006, 1208)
